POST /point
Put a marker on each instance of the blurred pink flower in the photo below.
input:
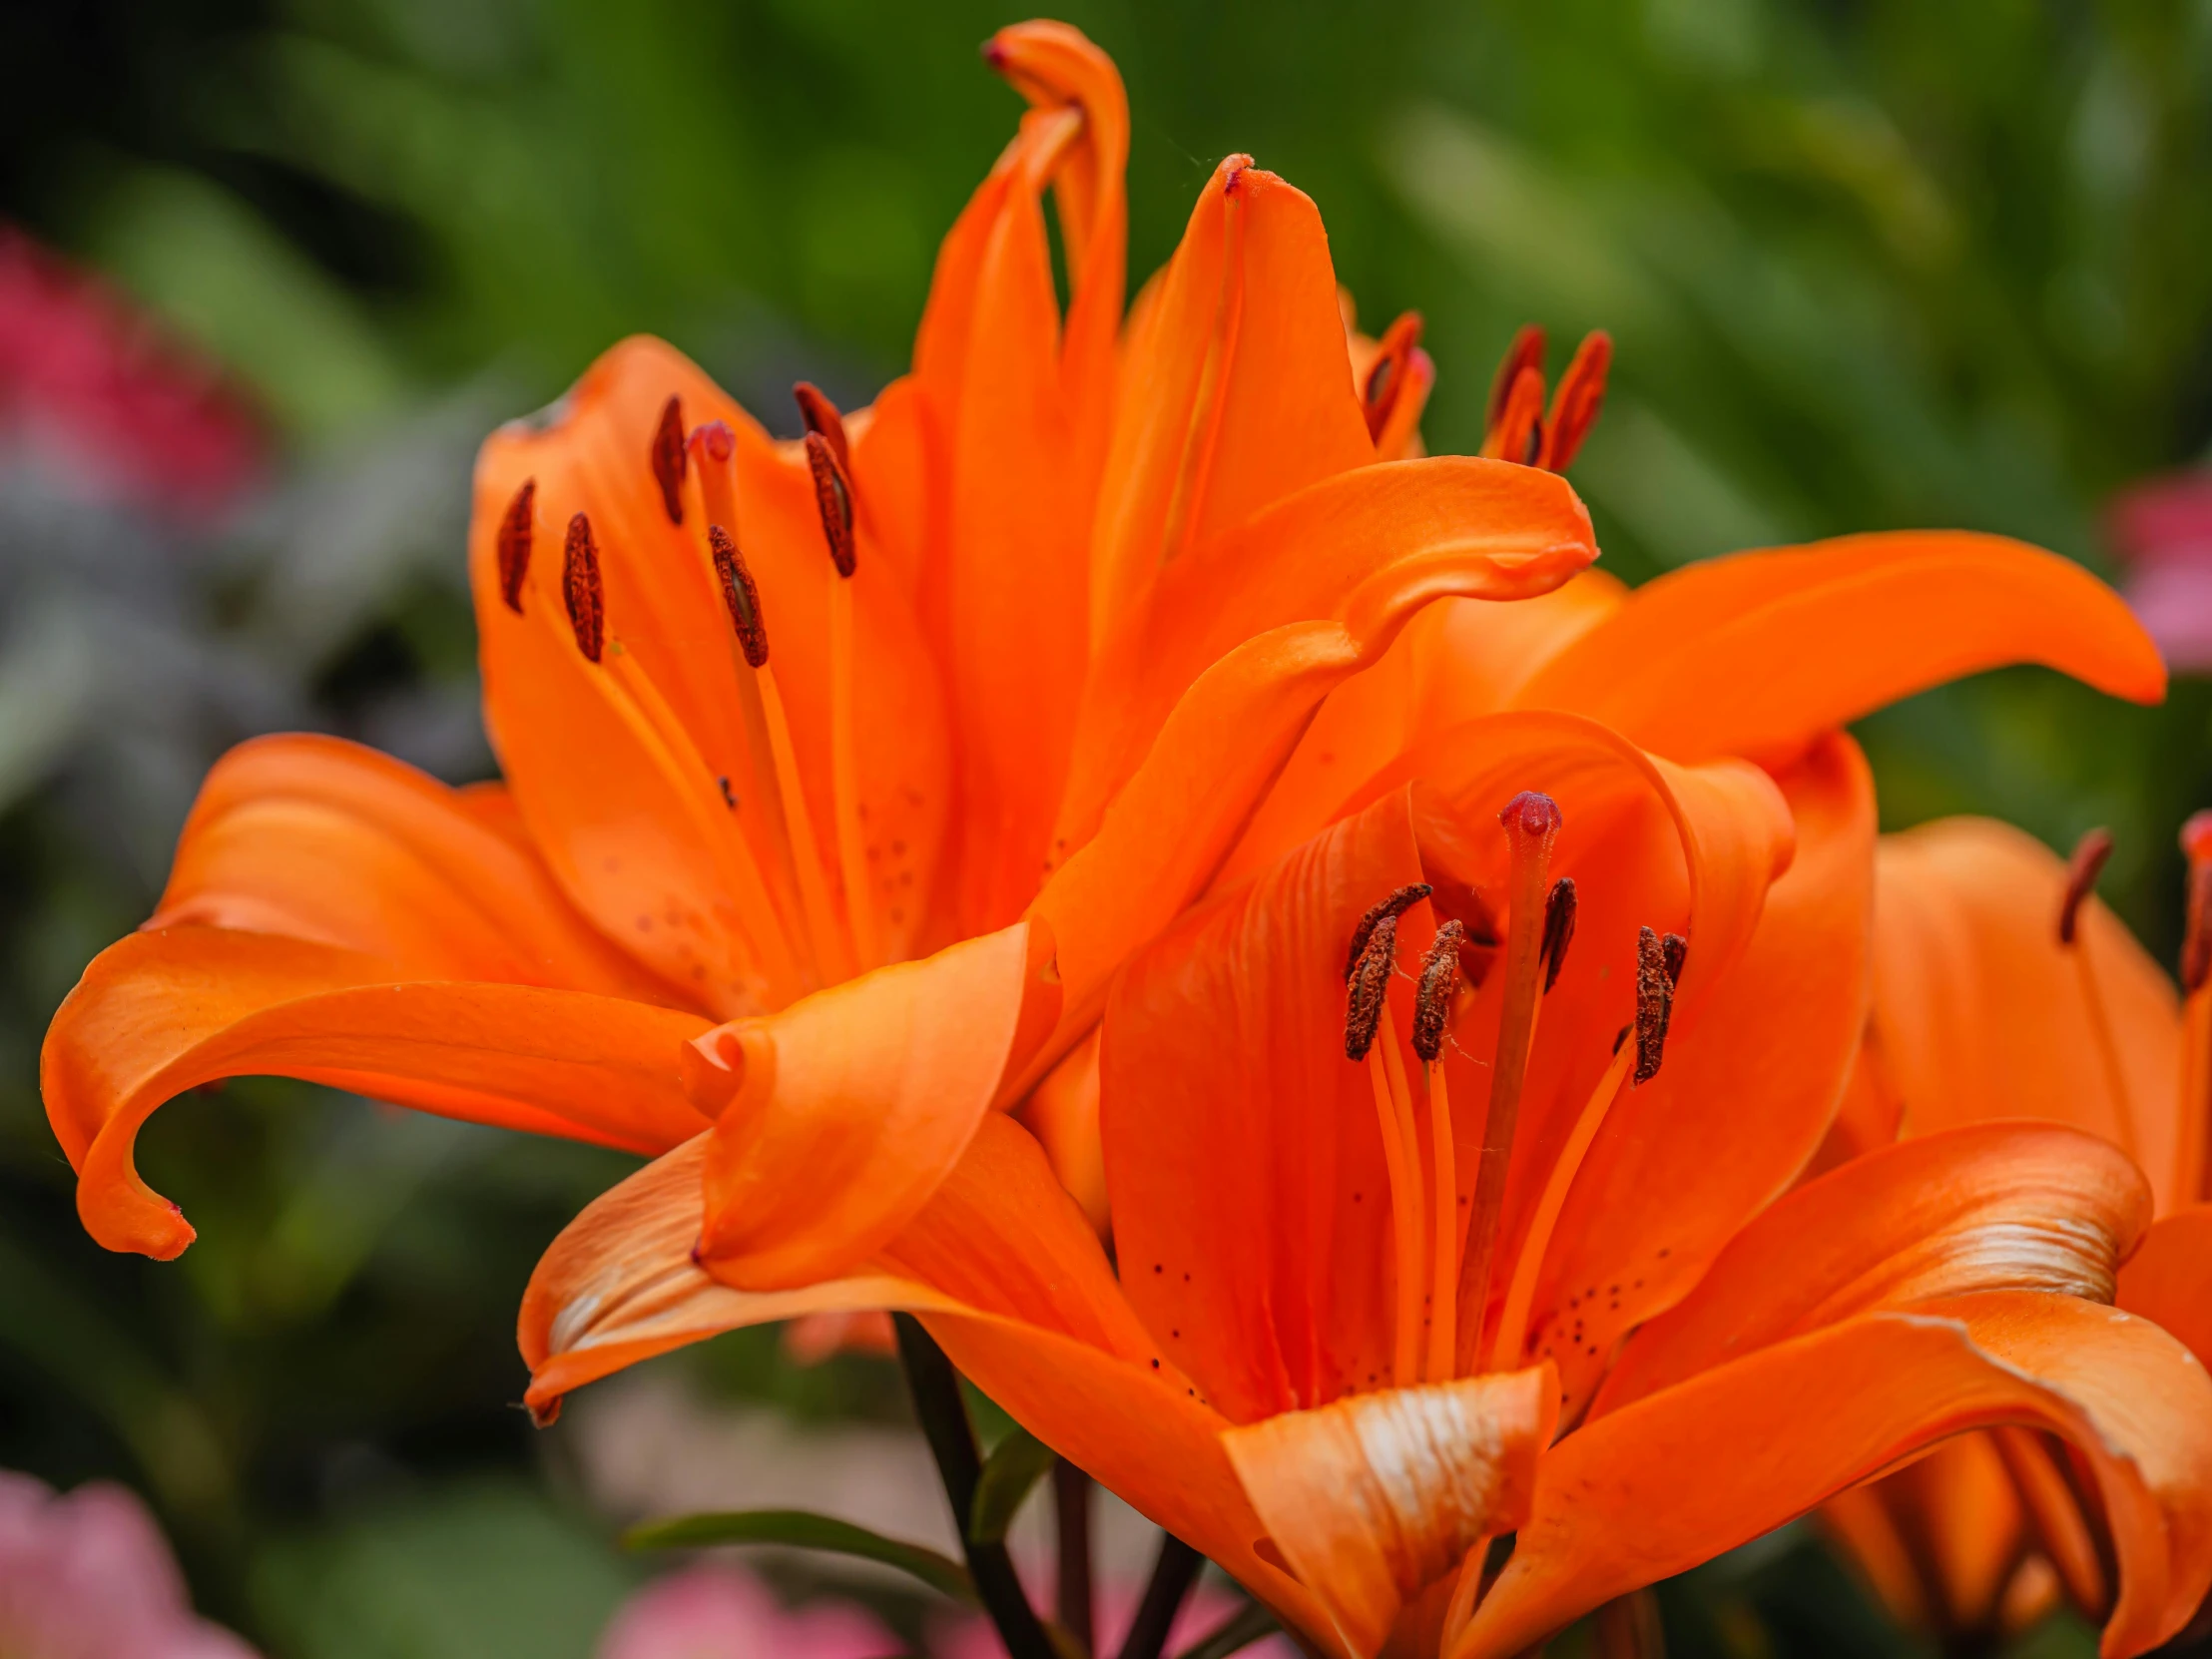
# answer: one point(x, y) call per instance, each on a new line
point(89, 380)
point(2163, 531)
point(89, 1576)
point(718, 1610)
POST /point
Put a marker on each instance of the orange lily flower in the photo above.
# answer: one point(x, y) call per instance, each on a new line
point(1378, 1230)
point(839, 775)
point(2003, 988)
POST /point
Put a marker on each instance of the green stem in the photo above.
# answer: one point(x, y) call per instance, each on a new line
point(1071, 1508)
point(935, 1386)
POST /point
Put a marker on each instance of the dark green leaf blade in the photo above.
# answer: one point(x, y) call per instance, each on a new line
point(1015, 1465)
point(801, 1529)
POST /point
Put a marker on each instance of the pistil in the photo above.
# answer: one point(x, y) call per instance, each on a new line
point(1531, 822)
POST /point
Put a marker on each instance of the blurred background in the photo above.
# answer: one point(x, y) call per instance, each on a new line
point(269, 270)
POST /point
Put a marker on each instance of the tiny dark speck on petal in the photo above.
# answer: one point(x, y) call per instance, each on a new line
point(1158, 1267)
point(1155, 1364)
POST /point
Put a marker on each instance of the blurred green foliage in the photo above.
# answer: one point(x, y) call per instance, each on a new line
point(1869, 262)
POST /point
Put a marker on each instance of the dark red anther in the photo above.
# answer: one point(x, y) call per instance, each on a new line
point(2082, 869)
point(1387, 910)
point(1674, 951)
point(1370, 989)
point(587, 603)
point(667, 459)
point(1575, 405)
point(2196, 944)
point(1527, 352)
point(1654, 1004)
point(833, 499)
point(1558, 929)
point(821, 415)
point(514, 544)
point(741, 595)
point(1387, 380)
point(1440, 978)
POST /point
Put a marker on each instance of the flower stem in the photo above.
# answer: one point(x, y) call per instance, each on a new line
point(935, 1388)
point(1174, 1571)
point(1071, 1508)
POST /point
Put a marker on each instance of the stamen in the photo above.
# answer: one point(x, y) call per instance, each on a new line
point(1368, 982)
point(1440, 978)
point(667, 459)
point(845, 783)
point(1531, 822)
point(1366, 1017)
point(1558, 929)
point(580, 587)
point(2083, 869)
point(513, 546)
point(821, 415)
point(741, 594)
point(2193, 1162)
point(1520, 1295)
point(1388, 909)
point(831, 952)
point(1387, 380)
point(1575, 405)
point(1674, 951)
point(1518, 434)
point(1654, 1004)
point(833, 500)
point(1527, 351)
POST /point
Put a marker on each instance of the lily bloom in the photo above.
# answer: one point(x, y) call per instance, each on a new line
point(1400, 1133)
point(2005, 989)
point(839, 775)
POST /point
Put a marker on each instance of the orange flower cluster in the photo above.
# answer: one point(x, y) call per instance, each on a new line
point(1117, 782)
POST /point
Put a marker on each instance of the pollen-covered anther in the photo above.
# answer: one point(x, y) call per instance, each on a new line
point(2083, 870)
point(1527, 352)
point(1559, 910)
point(833, 499)
point(821, 415)
point(1387, 380)
point(1371, 987)
point(1440, 978)
point(667, 459)
point(513, 547)
point(1654, 1003)
point(1674, 951)
point(580, 587)
point(741, 595)
point(1574, 407)
point(1387, 910)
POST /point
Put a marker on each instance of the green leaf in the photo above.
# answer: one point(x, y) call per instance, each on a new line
point(1015, 1464)
point(1238, 1633)
point(802, 1530)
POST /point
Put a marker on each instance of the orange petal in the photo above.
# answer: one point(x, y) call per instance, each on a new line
point(1753, 1074)
point(1716, 1459)
point(1017, 406)
point(1373, 1498)
point(1963, 1517)
point(1980, 1013)
point(317, 839)
point(1235, 390)
point(160, 1012)
point(1996, 1207)
point(1367, 548)
point(1757, 653)
point(1457, 659)
point(2169, 1279)
point(644, 838)
point(1012, 1282)
point(846, 1110)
